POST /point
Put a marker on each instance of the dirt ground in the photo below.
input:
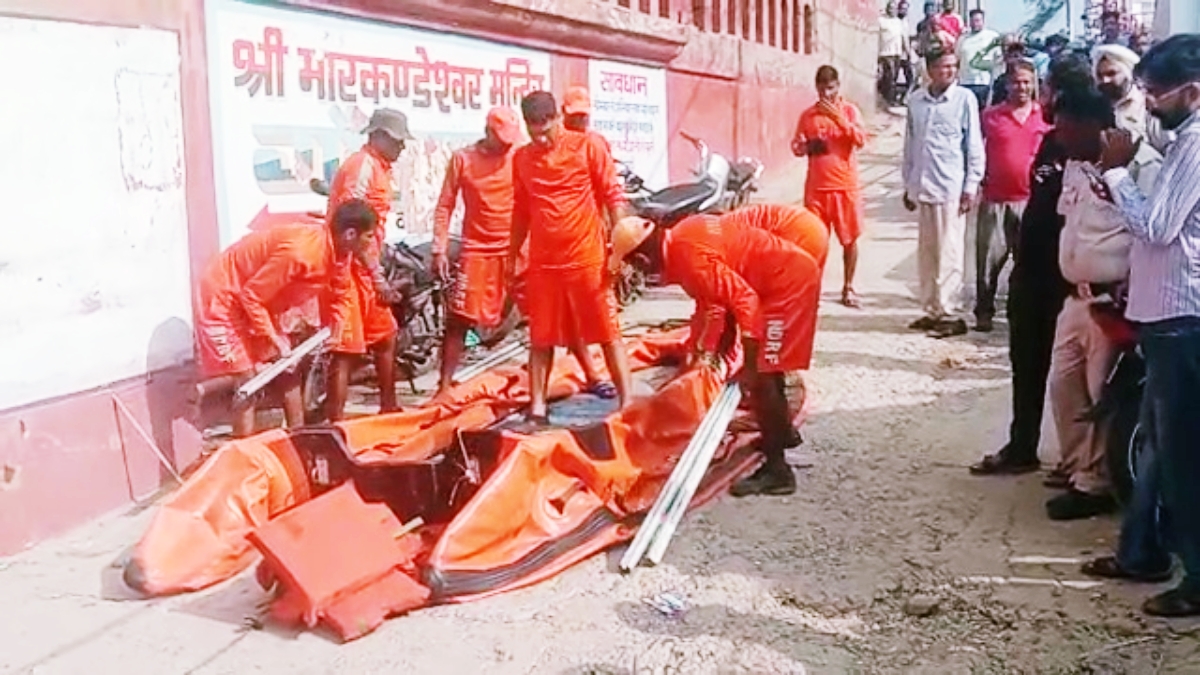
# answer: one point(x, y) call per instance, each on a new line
point(888, 559)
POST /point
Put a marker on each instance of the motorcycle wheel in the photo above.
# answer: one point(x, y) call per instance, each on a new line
point(629, 286)
point(315, 378)
point(1126, 443)
point(490, 337)
point(418, 350)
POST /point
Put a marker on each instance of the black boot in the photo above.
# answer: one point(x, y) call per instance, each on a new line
point(770, 479)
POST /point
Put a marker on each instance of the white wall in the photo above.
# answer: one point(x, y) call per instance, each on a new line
point(1177, 16)
point(94, 276)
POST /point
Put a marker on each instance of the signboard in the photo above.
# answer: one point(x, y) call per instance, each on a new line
point(291, 92)
point(629, 107)
point(94, 270)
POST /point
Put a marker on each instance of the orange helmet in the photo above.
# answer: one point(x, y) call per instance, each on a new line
point(629, 234)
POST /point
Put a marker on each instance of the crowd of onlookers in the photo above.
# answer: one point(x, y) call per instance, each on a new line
point(1083, 167)
point(984, 54)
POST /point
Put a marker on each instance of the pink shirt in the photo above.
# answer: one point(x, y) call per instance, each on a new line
point(1010, 146)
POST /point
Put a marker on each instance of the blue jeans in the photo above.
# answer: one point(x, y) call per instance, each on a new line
point(1172, 350)
point(1142, 549)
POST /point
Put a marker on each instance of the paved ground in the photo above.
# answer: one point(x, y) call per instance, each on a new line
point(886, 519)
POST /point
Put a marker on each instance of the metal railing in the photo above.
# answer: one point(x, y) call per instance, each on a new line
point(789, 25)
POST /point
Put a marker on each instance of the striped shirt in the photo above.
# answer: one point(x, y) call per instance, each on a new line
point(1164, 278)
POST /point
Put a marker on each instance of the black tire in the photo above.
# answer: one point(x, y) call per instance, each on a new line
point(490, 337)
point(630, 285)
point(1126, 442)
point(316, 376)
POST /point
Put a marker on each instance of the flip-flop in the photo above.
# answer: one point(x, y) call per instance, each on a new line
point(603, 389)
point(850, 299)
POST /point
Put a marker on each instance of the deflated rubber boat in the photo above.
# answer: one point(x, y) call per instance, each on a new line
point(455, 501)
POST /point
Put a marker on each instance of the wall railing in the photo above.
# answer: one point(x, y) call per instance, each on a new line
point(789, 25)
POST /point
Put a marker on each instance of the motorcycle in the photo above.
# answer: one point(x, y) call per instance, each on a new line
point(418, 309)
point(1118, 410)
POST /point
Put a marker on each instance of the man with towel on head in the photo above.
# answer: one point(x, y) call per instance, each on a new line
point(1113, 65)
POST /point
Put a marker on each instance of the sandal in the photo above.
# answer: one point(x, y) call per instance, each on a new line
point(850, 299)
point(603, 389)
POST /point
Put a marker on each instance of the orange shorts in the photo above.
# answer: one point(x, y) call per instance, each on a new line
point(477, 295)
point(368, 320)
point(564, 306)
point(224, 343)
point(841, 210)
point(788, 317)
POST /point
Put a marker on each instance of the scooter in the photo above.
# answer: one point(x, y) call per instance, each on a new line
point(719, 186)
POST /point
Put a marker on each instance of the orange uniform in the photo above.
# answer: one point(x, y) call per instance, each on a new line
point(365, 175)
point(794, 224)
point(244, 291)
point(558, 194)
point(790, 223)
point(831, 189)
point(486, 184)
point(771, 287)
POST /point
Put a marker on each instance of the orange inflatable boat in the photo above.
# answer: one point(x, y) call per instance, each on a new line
point(454, 501)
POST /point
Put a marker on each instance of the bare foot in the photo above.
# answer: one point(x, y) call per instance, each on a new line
point(850, 299)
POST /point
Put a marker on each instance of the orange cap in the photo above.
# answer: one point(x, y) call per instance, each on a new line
point(628, 234)
point(503, 122)
point(577, 101)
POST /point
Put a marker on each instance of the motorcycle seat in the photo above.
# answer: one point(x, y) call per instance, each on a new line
point(670, 203)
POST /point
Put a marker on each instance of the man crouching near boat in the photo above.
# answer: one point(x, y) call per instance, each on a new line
point(771, 289)
point(245, 290)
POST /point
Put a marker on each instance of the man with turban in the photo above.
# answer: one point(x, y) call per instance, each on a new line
point(1113, 65)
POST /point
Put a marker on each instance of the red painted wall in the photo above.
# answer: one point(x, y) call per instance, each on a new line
point(694, 105)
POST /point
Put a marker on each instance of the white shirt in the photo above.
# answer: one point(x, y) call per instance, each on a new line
point(968, 46)
point(1164, 279)
point(1094, 244)
point(893, 34)
point(943, 146)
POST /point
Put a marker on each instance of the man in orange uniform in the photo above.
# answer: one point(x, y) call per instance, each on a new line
point(794, 224)
point(790, 223)
point(244, 291)
point(561, 182)
point(369, 325)
point(770, 286)
point(829, 134)
point(577, 116)
point(482, 173)
point(577, 110)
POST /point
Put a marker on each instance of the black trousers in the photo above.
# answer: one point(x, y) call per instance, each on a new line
point(1034, 302)
point(889, 69)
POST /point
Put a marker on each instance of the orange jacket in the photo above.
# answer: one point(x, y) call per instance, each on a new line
point(365, 175)
point(837, 167)
point(486, 183)
point(793, 224)
point(790, 223)
point(268, 272)
point(558, 194)
point(728, 265)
